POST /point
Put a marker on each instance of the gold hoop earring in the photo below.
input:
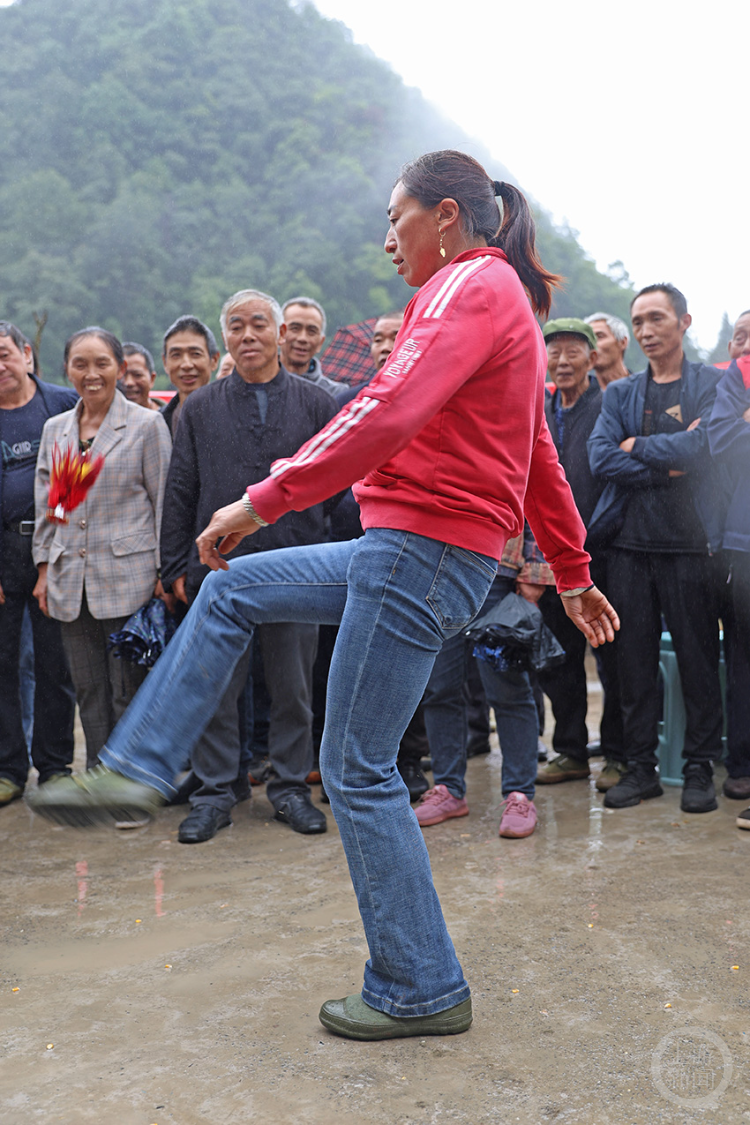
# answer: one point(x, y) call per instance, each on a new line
point(442, 248)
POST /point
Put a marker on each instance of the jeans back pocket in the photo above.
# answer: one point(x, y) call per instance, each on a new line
point(460, 587)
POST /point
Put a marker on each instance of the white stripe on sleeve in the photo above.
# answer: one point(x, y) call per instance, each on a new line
point(337, 428)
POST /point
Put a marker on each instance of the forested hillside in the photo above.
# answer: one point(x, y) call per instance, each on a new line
point(155, 155)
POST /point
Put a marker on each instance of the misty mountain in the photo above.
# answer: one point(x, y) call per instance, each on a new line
point(156, 155)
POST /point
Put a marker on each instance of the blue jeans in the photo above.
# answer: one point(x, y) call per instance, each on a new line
point(445, 716)
point(510, 696)
point(397, 596)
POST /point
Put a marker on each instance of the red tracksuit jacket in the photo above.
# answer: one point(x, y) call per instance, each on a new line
point(449, 440)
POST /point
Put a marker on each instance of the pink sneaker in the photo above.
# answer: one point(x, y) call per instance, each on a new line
point(438, 805)
point(519, 816)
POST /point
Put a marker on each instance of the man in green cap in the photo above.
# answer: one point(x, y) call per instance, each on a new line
point(572, 411)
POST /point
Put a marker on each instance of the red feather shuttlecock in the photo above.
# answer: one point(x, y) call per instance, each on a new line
point(72, 475)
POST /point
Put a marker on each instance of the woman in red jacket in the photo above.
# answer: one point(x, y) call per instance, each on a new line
point(450, 448)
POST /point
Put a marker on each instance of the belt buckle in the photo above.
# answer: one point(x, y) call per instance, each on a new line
point(26, 527)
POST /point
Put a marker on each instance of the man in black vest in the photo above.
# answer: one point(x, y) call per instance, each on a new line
point(229, 434)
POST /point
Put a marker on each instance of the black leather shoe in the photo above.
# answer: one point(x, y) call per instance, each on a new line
point(638, 783)
point(415, 780)
point(298, 811)
point(698, 793)
point(202, 824)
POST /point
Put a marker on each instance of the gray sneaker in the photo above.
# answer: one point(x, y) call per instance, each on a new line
point(9, 791)
point(610, 774)
point(562, 768)
point(98, 796)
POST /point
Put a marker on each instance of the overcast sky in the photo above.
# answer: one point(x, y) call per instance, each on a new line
point(630, 121)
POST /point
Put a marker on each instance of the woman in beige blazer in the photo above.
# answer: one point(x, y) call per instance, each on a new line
point(99, 568)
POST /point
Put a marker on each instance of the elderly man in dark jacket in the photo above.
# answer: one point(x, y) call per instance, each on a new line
point(25, 405)
point(229, 434)
point(572, 411)
point(660, 511)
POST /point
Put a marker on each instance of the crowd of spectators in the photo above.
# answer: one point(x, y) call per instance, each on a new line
point(657, 462)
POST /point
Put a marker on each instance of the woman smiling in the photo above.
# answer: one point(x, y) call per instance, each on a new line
point(95, 571)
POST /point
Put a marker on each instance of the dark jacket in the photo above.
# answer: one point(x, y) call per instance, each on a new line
point(56, 400)
point(167, 412)
point(578, 423)
point(652, 457)
point(220, 447)
point(729, 442)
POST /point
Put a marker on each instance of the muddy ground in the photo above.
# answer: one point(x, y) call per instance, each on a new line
point(145, 982)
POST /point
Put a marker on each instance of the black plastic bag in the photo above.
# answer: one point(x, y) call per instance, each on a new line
point(145, 635)
point(512, 634)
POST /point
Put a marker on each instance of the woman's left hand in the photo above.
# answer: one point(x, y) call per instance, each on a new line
point(230, 524)
point(593, 615)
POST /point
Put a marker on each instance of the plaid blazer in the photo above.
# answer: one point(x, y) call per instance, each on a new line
point(111, 545)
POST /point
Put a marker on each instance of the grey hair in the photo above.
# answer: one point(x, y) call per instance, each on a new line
point(307, 303)
point(617, 327)
point(131, 348)
point(245, 295)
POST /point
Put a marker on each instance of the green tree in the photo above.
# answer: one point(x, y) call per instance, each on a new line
point(719, 353)
point(156, 155)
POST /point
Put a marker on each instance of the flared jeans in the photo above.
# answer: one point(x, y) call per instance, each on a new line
point(396, 596)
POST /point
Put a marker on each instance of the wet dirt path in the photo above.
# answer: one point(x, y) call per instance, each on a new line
point(143, 982)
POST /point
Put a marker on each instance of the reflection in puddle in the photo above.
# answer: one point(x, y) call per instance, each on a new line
point(82, 870)
point(158, 893)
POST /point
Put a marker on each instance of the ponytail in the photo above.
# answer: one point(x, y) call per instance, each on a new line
point(517, 237)
point(454, 175)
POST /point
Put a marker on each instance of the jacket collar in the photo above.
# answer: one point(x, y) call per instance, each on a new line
point(112, 429)
point(686, 369)
point(278, 383)
point(477, 252)
point(591, 391)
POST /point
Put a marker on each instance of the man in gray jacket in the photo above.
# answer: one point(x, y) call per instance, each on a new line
point(303, 334)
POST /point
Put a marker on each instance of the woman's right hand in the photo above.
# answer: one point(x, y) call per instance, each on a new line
point(40, 590)
point(228, 527)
